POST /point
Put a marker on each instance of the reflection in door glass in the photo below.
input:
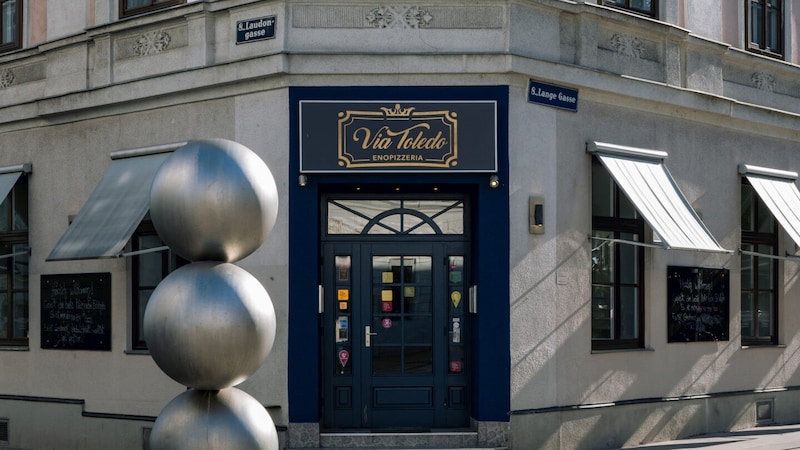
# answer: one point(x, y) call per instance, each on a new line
point(402, 315)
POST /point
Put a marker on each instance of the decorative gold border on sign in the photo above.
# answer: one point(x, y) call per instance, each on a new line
point(398, 113)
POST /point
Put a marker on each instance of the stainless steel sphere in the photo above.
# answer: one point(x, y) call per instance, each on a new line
point(209, 325)
point(228, 419)
point(213, 200)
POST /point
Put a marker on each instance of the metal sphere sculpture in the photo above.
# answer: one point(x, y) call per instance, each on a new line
point(210, 325)
point(213, 200)
point(227, 419)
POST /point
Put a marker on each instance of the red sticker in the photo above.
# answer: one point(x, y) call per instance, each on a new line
point(455, 366)
point(344, 356)
point(386, 323)
point(386, 306)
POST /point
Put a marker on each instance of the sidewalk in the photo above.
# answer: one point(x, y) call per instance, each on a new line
point(777, 437)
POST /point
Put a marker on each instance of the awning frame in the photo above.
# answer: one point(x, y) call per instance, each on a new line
point(645, 180)
point(116, 206)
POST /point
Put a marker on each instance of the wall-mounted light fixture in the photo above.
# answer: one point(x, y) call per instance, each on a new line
point(494, 181)
point(536, 215)
point(302, 180)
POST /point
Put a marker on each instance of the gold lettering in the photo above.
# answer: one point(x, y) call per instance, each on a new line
point(378, 142)
point(383, 138)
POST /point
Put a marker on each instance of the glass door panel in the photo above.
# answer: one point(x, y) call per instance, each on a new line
point(402, 315)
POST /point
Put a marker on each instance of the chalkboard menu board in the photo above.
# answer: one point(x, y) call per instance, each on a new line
point(698, 302)
point(76, 311)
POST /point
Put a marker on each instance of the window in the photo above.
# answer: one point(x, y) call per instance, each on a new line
point(10, 25)
point(14, 266)
point(617, 288)
point(759, 272)
point(765, 27)
point(129, 8)
point(149, 269)
point(645, 7)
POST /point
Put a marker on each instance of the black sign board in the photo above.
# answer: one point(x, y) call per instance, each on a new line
point(76, 311)
point(552, 95)
point(698, 304)
point(252, 30)
point(397, 136)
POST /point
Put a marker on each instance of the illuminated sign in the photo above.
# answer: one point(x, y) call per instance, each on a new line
point(391, 136)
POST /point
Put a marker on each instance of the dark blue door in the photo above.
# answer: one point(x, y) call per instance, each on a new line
point(395, 332)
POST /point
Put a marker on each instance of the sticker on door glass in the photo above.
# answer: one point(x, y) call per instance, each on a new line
point(409, 291)
point(343, 294)
point(455, 366)
point(456, 330)
point(387, 277)
point(386, 323)
point(455, 297)
point(342, 329)
point(344, 356)
point(386, 295)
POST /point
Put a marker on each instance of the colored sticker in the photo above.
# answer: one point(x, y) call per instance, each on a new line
point(386, 306)
point(342, 306)
point(455, 276)
point(455, 366)
point(343, 294)
point(387, 277)
point(344, 356)
point(386, 323)
point(409, 291)
point(386, 295)
point(342, 329)
point(455, 297)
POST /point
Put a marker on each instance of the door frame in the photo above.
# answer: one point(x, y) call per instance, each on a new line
point(490, 249)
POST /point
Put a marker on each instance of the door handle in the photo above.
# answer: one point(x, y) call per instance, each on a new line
point(368, 336)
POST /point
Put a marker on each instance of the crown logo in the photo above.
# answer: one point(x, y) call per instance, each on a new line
point(397, 111)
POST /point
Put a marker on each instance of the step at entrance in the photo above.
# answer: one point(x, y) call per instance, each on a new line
point(461, 440)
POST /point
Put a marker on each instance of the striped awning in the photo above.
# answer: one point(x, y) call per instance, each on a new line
point(642, 176)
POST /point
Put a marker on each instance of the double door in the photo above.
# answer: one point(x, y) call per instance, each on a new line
point(395, 335)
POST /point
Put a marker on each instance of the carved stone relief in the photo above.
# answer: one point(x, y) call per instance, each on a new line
point(763, 81)
point(151, 43)
point(6, 78)
point(399, 17)
point(627, 45)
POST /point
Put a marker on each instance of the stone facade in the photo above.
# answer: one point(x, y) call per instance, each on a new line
point(680, 83)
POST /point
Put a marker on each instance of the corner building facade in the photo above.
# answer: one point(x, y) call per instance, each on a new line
point(503, 224)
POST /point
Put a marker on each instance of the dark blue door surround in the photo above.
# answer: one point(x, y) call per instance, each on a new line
point(490, 383)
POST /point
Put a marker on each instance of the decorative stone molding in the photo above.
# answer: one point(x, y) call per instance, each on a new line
point(763, 81)
point(399, 17)
point(151, 43)
point(464, 16)
point(627, 45)
point(6, 78)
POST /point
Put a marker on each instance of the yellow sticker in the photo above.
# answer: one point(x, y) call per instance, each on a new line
point(386, 295)
point(387, 277)
point(343, 294)
point(408, 291)
point(455, 296)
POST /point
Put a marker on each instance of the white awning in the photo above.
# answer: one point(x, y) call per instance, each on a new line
point(116, 207)
point(648, 184)
point(777, 190)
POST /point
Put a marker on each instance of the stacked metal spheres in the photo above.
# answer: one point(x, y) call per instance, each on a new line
point(210, 324)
